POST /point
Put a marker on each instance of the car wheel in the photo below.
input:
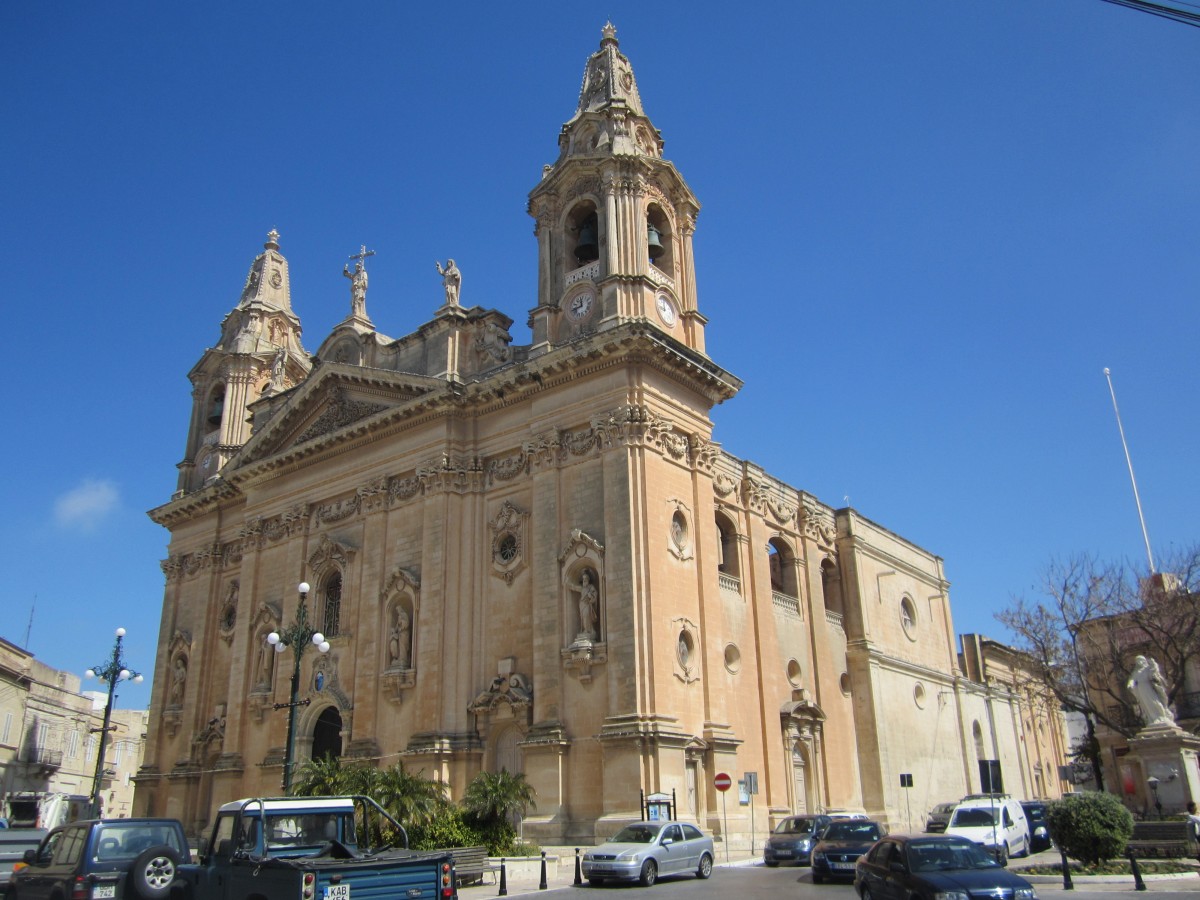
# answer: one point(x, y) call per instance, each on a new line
point(594, 881)
point(649, 873)
point(153, 871)
point(705, 869)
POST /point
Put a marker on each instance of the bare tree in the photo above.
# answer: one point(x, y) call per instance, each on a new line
point(1090, 621)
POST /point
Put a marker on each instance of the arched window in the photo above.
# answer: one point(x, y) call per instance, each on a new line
point(727, 548)
point(783, 568)
point(831, 587)
point(216, 407)
point(332, 610)
point(660, 240)
point(583, 235)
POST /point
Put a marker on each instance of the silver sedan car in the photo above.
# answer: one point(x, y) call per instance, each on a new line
point(645, 850)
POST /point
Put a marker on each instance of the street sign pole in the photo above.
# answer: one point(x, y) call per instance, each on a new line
point(722, 783)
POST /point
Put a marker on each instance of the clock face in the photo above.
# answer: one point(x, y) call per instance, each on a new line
point(580, 305)
point(666, 310)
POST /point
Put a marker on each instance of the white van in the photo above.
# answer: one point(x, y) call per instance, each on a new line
point(996, 821)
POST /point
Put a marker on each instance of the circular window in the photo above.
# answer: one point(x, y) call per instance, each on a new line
point(919, 695)
point(679, 530)
point(685, 648)
point(506, 548)
point(733, 658)
point(844, 683)
point(908, 618)
point(794, 673)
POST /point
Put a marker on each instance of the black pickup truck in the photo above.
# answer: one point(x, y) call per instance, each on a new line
point(310, 848)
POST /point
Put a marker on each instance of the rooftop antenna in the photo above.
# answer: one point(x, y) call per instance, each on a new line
point(1129, 462)
point(29, 627)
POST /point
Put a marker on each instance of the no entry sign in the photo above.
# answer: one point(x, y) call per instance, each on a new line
point(722, 782)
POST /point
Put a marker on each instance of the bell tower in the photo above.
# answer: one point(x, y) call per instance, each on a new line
point(259, 354)
point(614, 219)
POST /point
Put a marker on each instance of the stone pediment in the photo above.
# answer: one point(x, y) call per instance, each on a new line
point(331, 400)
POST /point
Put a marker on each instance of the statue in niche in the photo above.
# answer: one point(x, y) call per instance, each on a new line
point(265, 653)
point(451, 280)
point(589, 606)
point(178, 681)
point(1150, 692)
point(277, 368)
point(398, 642)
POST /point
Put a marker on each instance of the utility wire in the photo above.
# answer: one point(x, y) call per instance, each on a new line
point(1166, 12)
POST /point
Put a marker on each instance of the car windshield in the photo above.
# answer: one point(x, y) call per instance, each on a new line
point(943, 856)
point(1035, 813)
point(973, 817)
point(852, 831)
point(636, 834)
point(795, 826)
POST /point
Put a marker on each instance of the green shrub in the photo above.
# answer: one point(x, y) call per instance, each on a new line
point(446, 830)
point(1092, 827)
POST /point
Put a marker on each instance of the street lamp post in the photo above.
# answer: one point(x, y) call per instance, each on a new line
point(109, 673)
point(1153, 782)
point(298, 636)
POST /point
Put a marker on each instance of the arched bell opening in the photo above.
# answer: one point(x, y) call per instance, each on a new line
point(583, 235)
point(660, 240)
point(215, 409)
point(783, 568)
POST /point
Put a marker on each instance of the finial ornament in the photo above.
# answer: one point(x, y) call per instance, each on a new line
point(358, 281)
point(272, 240)
point(609, 32)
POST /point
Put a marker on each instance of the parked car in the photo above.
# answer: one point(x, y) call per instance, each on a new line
point(930, 867)
point(939, 817)
point(842, 843)
point(793, 839)
point(103, 859)
point(645, 850)
point(996, 821)
point(1039, 828)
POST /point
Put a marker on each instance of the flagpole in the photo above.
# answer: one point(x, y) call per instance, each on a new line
point(1129, 462)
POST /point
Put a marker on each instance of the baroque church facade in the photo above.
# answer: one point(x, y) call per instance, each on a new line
point(535, 557)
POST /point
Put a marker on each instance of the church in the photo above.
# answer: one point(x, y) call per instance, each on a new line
point(537, 557)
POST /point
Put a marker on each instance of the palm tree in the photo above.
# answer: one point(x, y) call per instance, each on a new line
point(320, 777)
point(412, 799)
point(495, 797)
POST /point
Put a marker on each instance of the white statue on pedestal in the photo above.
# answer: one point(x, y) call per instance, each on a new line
point(1150, 691)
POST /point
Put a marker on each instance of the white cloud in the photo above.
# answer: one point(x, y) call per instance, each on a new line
point(87, 505)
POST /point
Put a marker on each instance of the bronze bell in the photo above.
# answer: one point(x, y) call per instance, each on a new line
point(587, 249)
point(216, 410)
point(654, 242)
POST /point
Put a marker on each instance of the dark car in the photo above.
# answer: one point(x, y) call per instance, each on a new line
point(103, 859)
point(793, 839)
point(925, 867)
point(840, 847)
point(1039, 828)
point(939, 817)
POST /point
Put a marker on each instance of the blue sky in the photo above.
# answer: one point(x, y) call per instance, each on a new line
point(927, 227)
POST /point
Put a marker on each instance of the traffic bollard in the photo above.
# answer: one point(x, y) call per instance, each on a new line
point(578, 870)
point(1066, 869)
point(1138, 884)
point(503, 880)
point(542, 884)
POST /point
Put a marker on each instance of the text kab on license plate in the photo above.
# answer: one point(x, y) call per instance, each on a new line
point(843, 865)
point(104, 890)
point(337, 892)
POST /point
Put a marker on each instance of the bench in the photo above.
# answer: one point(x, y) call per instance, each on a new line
point(1170, 840)
point(471, 864)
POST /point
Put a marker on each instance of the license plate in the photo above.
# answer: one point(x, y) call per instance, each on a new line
point(843, 865)
point(783, 853)
point(101, 891)
point(600, 867)
point(337, 892)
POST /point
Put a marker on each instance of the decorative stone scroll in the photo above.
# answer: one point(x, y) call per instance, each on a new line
point(509, 527)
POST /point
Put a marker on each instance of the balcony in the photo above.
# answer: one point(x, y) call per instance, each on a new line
point(43, 762)
point(835, 619)
point(786, 604)
point(729, 583)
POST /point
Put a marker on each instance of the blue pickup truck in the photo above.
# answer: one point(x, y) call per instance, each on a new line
point(310, 848)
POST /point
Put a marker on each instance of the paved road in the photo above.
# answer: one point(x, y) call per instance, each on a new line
point(756, 882)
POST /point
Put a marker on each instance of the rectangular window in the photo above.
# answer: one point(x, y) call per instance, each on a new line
point(73, 744)
point(91, 746)
point(4, 735)
point(43, 735)
point(120, 753)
